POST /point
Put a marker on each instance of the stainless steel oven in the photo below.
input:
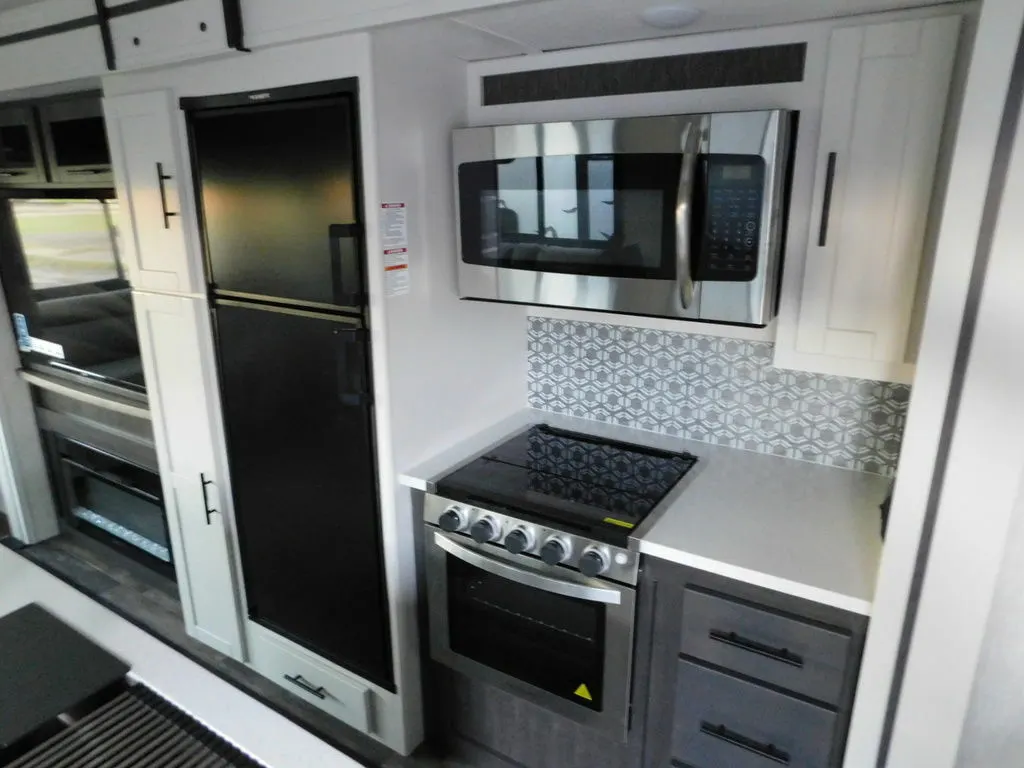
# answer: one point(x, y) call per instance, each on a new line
point(548, 633)
point(679, 216)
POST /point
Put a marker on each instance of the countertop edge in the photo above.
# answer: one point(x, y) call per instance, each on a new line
point(756, 578)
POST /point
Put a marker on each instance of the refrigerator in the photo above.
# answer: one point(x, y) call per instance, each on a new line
point(278, 197)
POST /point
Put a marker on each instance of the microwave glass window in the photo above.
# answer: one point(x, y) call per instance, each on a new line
point(16, 147)
point(82, 141)
point(604, 215)
point(66, 288)
point(552, 642)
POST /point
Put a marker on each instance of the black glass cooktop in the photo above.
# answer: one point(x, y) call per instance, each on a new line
point(580, 483)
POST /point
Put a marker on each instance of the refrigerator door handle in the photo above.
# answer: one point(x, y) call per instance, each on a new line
point(352, 369)
point(346, 269)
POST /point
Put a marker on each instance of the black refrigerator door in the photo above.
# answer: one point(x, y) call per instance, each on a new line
point(272, 181)
point(300, 443)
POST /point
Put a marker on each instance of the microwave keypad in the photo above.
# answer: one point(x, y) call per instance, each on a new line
point(728, 248)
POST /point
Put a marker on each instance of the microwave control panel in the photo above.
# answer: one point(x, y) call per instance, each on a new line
point(726, 246)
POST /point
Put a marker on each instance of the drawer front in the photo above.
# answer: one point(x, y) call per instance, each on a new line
point(724, 721)
point(805, 658)
point(310, 679)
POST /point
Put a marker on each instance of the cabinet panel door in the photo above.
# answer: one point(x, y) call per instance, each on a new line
point(178, 31)
point(143, 133)
point(173, 334)
point(21, 157)
point(883, 114)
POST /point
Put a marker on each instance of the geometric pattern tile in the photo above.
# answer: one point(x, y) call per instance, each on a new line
point(714, 389)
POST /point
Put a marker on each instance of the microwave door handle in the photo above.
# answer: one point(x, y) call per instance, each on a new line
point(684, 216)
point(527, 578)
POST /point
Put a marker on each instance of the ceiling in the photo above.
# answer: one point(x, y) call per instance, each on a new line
point(556, 24)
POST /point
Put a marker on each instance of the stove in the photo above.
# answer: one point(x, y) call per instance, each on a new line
point(530, 580)
point(559, 495)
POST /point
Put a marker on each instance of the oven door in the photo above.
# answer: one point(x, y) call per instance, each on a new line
point(554, 637)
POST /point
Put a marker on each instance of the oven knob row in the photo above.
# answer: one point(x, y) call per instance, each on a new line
point(519, 540)
point(485, 529)
point(593, 562)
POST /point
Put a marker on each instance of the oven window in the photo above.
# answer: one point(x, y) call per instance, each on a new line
point(115, 496)
point(66, 288)
point(603, 215)
point(552, 642)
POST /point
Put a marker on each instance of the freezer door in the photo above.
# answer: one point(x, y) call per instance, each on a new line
point(299, 427)
point(272, 180)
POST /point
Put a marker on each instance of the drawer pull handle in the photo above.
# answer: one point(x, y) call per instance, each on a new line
point(767, 751)
point(783, 655)
point(307, 686)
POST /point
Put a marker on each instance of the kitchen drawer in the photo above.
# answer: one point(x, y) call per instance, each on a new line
point(721, 720)
point(309, 678)
point(799, 656)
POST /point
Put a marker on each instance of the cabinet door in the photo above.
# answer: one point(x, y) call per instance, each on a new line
point(148, 170)
point(177, 357)
point(169, 32)
point(21, 158)
point(883, 114)
point(76, 142)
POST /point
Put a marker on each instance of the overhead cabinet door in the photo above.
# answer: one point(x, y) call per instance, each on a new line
point(883, 116)
point(173, 332)
point(148, 170)
point(160, 33)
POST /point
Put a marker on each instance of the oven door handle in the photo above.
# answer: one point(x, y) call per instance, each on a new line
point(690, 146)
point(527, 578)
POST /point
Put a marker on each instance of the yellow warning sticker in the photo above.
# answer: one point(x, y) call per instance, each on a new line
point(620, 523)
point(583, 692)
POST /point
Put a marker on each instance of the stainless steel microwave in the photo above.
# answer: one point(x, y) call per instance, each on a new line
point(678, 216)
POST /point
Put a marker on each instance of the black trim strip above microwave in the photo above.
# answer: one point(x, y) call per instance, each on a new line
point(103, 17)
point(51, 29)
point(348, 85)
point(138, 6)
point(688, 71)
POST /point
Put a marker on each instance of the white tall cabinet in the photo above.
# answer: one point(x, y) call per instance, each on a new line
point(174, 336)
point(882, 120)
point(173, 321)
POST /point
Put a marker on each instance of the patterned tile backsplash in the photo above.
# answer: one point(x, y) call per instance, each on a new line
point(714, 389)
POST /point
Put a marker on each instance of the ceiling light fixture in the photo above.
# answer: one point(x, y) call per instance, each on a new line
point(670, 16)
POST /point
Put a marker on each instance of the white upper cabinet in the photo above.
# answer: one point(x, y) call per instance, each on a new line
point(177, 356)
point(882, 120)
point(142, 130)
point(189, 29)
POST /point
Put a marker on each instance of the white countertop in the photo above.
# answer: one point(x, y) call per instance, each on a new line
point(792, 526)
point(251, 726)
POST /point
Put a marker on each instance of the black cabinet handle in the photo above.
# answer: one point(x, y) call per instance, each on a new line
point(783, 655)
point(826, 203)
point(767, 751)
point(12, 174)
point(304, 684)
point(86, 171)
point(161, 178)
point(206, 500)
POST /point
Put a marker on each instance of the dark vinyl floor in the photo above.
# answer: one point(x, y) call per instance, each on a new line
point(151, 602)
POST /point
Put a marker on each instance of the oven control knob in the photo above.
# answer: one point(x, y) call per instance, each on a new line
point(452, 519)
point(554, 551)
point(484, 530)
point(518, 541)
point(593, 562)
